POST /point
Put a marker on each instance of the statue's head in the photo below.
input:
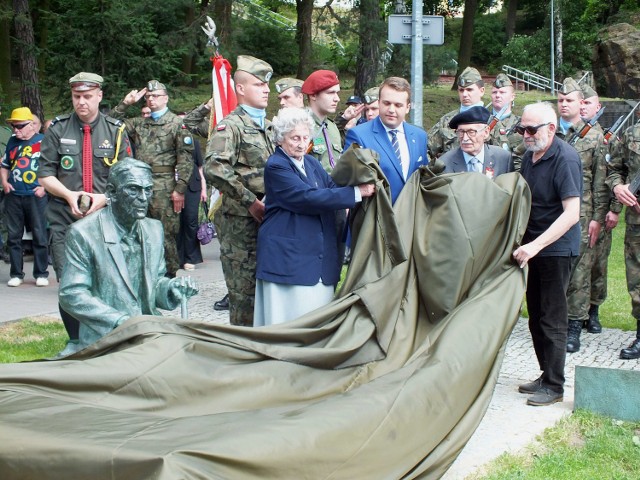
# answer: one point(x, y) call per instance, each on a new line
point(129, 190)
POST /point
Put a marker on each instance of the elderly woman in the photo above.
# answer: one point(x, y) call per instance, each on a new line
point(297, 260)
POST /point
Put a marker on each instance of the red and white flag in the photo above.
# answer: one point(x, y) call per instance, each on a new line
point(224, 94)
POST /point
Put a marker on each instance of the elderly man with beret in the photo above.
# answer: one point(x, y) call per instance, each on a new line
point(470, 91)
point(77, 152)
point(290, 92)
point(473, 154)
point(236, 155)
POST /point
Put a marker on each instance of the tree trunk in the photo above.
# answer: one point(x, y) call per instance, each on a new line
point(5, 50)
point(27, 60)
point(304, 9)
point(222, 17)
point(369, 48)
point(512, 10)
point(466, 38)
point(558, 33)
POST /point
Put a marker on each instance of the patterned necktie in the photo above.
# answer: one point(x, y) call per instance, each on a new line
point(87, 160)
point(395, 144)
point(325, 134)
point(474, 165)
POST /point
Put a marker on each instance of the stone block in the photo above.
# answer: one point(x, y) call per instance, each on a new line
point(608, 391)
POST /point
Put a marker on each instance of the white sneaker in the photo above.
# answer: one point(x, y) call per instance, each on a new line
point(42, 282)
point(15, 282)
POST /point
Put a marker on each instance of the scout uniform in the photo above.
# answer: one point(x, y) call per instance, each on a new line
point(236, 155)
point(441, 137)
point(504, 134)
point(167, 146)
point(594, 206)
point(61, 157)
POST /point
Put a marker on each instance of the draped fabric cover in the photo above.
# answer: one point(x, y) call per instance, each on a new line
point(388, 381)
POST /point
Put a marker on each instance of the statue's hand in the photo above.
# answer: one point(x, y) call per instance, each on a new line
point(183, 287)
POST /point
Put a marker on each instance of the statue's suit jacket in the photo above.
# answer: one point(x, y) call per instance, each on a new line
point(373, 135)
point(95, 286)
point(494, 157)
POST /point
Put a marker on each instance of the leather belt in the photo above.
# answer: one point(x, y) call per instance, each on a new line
point(162, 169)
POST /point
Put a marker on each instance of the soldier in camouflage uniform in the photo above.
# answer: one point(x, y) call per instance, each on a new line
point(595, 202)
point(61, 171)
point(503, 134)
point(470, 91)
point(623, 168)
point(236, 154)
point(290, 92)
point(590, 106)
point(322, 88)
point(163, 142)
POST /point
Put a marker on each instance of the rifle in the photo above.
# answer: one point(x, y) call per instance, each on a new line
point(618, 125)
point(493, 121)
point(634, 186)
point(586, 127)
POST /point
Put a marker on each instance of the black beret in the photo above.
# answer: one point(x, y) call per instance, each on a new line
point(472, 115)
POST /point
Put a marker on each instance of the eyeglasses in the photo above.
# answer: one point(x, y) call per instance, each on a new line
point(530, 129)
point(471, 133)
point(154, 95)
point(21, 126)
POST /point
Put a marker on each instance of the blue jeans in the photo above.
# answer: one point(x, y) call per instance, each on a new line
point(29, 210)
point(548, 322)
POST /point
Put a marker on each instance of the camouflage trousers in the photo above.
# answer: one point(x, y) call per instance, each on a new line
point(579, 292)
point(599, 269)
point(632, 265)
point(161, 208)
point(237, 236)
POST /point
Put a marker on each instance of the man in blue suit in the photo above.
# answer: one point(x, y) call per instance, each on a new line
point(473, 154)
point(402, 147)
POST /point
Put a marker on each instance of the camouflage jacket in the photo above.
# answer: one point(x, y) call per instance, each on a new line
point(624, 164)
point(166, 145)
point(504, 136)
point(197, 121)
point(61, 150)
point(441, 137)
point(592, 152)
point(319, 148)
point(237, 152)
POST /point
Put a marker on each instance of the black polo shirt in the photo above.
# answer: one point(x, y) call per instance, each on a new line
point(555, 177)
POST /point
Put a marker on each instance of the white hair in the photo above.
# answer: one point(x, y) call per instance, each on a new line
point(288, 119)
point(545, 110)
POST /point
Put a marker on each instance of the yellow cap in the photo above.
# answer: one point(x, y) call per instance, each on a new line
point(22, 114)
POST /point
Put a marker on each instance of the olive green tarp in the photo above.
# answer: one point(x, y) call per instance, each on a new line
point(388, 381)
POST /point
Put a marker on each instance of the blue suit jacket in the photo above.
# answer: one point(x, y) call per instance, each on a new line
point(297, 240)
point(495, 158)
point(373, 135)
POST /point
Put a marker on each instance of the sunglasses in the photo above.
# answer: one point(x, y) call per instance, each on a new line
point(530, 129)
point(21, 126)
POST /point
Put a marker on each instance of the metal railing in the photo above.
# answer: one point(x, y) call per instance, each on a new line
point(530, 79)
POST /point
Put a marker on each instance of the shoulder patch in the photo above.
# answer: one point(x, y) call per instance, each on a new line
point(188, 141)
point(221, 127)
point(113, 121)
point(60, 118)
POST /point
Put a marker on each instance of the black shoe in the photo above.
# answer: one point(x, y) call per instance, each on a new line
point(593, 324)
point(632, 352)
point(544, 397)
point(573, 336)
point(222, 304)
point(531, 387)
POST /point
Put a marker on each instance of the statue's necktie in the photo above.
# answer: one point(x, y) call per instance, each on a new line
point(325, 134)
point(87, 160)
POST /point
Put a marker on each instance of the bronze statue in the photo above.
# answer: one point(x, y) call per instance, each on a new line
point(115, 260)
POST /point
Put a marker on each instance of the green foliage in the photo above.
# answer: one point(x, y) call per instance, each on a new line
point(434, 60)
point(584, 445)
point(529, 52)
point(489, 38)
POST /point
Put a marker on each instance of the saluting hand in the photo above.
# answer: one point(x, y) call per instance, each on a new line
point(134, 96)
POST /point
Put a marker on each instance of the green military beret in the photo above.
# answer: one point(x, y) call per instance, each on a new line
point(570, 85)
point(502, 81)
point(84, 81)
point(287, 83)
point(256, 67)
point(468, 77)
point(154, 85)
point(588, 91)
point(371, 95)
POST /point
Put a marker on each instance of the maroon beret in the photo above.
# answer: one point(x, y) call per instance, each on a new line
point(318, 81)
